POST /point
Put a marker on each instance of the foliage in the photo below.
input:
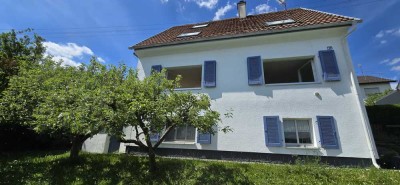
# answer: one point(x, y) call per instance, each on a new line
point(52, 98)
point(152, 106)
point(371, 99)
point(16, 48)
point(56, 168)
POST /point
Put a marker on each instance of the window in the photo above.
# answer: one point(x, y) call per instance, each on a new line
point(182, 133)
point(288, 71)
point(188, 34)
point(200, 26)
point(191, 76)
point(287, 21)
point(297, 132)
point(371, 91)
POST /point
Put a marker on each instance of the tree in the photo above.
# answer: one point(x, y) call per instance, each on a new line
point(152, 106)
point(371, 99)
point(78, 101)
point(17, 47)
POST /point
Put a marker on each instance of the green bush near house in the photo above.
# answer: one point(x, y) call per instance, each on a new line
point(57, 168)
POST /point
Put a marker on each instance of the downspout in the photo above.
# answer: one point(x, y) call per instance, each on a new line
point(360, 102)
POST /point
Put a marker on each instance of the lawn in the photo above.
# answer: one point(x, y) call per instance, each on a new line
point(56, 168)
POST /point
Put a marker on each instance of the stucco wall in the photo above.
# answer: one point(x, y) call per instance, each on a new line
point(251, 103)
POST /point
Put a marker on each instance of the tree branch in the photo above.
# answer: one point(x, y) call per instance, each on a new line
point(165, 134)
point(139, 143)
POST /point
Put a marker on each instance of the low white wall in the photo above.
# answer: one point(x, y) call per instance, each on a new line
point(97, 144)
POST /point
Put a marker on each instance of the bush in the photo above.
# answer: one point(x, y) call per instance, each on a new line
point(16, 137)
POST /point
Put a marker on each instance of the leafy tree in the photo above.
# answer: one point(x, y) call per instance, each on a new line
point(17, 47)
point(152, 106)
point(371, 99)
point(77, 101)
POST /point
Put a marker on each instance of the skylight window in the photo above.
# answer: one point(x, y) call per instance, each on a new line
point(287, 21)
point(189, 34)
point(200, 26)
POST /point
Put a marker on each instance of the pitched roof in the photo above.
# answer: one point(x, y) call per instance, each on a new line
point(249, 26)
point(372, 79)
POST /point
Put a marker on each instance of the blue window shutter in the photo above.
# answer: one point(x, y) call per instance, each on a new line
point(156, 68)
point(154, 137)
point(210, 73)
point(327, 132)
point(272, 129)
point(203, 138)
point(254, 70)
point(329, 65)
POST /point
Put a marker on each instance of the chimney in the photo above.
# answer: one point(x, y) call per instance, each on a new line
point(241, 6)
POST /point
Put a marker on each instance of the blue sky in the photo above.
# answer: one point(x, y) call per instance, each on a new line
point(77, 29)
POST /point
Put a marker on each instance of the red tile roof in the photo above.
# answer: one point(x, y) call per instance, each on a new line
point(372, 79)
point(251, 25)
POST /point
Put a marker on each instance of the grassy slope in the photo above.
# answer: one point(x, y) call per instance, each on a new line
point(55, 168)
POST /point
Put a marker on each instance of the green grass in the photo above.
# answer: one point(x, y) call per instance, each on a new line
point(56, 168)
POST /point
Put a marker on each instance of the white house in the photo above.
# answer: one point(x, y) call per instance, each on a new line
point(287, 76)
point(371, 85)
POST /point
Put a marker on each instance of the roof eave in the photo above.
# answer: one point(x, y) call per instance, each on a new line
point(295, 29)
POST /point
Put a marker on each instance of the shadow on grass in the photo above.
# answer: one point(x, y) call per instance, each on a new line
point(117, 169)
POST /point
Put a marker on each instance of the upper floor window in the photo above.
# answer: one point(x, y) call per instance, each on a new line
point(191, 75)
point(288, 71)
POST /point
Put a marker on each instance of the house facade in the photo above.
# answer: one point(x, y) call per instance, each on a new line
point(371, 85)
point(286, 76)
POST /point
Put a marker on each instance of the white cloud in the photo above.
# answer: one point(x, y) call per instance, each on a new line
point(262, 8)
point(210, 4)
point(69, 52)
point(164, 1)
point(380, 34)
point(383, 41)
point(101, 60)
point(384, 61)
point(66, 61)
point(395, 68)
point(388, 33)
point(222, 11)
point(394, 61)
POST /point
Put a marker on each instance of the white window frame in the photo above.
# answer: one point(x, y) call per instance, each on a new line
point(185, 140)
point(298, 144)
point(369, 94)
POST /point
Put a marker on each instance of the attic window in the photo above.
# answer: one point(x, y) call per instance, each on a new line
point(287, 21)
point(200, 26)
point(189, 34)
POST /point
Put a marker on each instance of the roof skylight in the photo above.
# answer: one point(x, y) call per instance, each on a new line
point(200, 26)
point(188, 34)
point(287, 21)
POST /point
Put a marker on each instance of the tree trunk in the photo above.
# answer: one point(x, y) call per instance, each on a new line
point(77, 142)
point(152, 161)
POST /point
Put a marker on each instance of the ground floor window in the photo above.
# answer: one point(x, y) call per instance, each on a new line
point(182, 133)
point(297, 131)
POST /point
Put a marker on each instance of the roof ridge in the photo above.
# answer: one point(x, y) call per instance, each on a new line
point(319, 11)
point(211, 21)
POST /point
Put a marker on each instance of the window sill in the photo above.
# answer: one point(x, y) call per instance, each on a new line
point(286, 84)
point(188, 89)
point(179, 142)
point(303, 147)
